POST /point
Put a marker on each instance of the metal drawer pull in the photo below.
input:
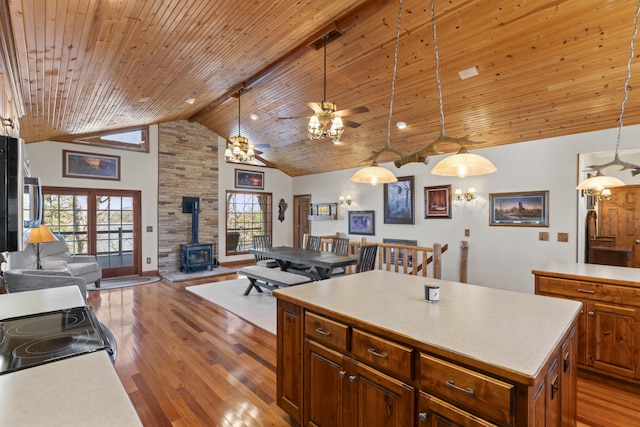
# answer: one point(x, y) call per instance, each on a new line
point(352, 378)
point(375, 353)
point(321, 332)
point(451, 384)
point(422, 416)
point(342, 373)
point(586, 291)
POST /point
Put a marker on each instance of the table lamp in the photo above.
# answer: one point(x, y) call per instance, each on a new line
point(39, 235)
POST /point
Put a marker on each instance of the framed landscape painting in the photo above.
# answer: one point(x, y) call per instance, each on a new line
point(362, 222)
point(76, 164)
point(525, 209)
point(249, 179)
point(398, 201)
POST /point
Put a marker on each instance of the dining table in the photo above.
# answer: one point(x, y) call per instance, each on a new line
point(324, 262)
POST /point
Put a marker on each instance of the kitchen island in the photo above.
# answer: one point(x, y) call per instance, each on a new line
point(363, 348)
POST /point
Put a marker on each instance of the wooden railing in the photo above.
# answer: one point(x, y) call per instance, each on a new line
point(413, 260)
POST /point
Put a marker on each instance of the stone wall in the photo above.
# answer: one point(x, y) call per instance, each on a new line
point(188, 166)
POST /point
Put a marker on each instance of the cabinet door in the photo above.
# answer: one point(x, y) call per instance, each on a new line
point(289, 351)
point(433, 412)
point(380, 400)
point(568, 375)
point(612, 335)
point(325, 387)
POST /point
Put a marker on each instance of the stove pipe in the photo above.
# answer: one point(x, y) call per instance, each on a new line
point(192, 205)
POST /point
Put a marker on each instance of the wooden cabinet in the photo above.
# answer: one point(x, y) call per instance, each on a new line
point(609, 324)
point(351, 375)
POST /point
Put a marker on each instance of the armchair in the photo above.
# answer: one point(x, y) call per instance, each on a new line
point(20, 280)
point(56, 256)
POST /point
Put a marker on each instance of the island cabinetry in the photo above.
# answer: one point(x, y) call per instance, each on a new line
point(289, 359)
point(609, 323)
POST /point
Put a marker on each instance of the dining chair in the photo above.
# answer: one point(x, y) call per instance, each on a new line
point(263, 242)
point(366, 258)
point(313, 243)
point(339, 246)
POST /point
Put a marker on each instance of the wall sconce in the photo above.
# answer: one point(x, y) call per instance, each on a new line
point(346, 200)
point(468, 196)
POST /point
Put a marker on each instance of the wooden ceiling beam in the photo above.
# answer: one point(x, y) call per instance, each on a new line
point(334, 30)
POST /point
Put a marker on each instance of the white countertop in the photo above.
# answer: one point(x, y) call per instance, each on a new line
point(511, 330)
point(610, 273)
point(79, 391)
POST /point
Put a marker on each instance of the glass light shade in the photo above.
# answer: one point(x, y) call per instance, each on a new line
point(599, 182)
point(314, 128)
point(336, 130)
point(41, 234)
point(227, 153)
point(463, 164)
point(373, 175)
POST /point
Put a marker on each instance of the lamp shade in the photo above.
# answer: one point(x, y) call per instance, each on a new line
point(599, 182)
point(41, 234)
point(463, 164)
point(373, 175)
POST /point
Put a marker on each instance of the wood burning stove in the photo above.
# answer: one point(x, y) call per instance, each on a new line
point(196, 256)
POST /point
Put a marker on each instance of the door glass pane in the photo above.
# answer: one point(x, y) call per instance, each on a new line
point(67, 215)
point(114, 230)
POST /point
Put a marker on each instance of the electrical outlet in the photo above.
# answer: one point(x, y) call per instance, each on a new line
point(148, 260)
point(563, 237)
point(543, 236)
point(467, 232)
point(149, 228)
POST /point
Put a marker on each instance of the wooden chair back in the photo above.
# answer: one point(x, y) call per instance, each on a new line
point(313, 243)
point(367, 258)
point(261, 242)
point(340, 245)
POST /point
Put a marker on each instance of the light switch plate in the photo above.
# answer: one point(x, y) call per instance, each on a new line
point(544, 236)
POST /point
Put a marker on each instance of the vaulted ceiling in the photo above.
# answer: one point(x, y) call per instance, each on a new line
point(546, 68)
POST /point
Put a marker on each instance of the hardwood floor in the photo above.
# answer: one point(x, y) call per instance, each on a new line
point(186, 362)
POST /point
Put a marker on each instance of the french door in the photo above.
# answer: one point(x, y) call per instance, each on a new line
point(103, 223)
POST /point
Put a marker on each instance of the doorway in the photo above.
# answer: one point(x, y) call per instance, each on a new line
point(301, 223)
point(103, 223)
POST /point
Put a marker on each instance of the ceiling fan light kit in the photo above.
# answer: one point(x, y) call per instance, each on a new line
point(239, 150)
point(597, 185)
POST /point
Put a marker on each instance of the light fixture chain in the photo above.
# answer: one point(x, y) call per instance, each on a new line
point(435, 50)
point(626, 85)
point(393, 78)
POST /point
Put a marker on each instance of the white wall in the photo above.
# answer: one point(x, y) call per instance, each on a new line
point(275, 182)
point(138, 172)
point(499, 256)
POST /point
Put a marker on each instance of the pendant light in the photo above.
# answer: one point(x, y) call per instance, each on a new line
point(462, 163)
point(375, 174)
point(239, 150)
point(596, 185)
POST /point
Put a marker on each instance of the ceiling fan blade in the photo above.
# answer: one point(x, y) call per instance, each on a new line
point(315, 106)
point(349, 111)
point(350, 124)
point(262, 146)
point(289, 118)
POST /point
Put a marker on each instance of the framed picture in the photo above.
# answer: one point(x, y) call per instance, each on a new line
point(398, 201)
point(528, 209)
point(400, 251)
point(362, 222)
point(90, 165)
point(249, 179)
point(437, 201)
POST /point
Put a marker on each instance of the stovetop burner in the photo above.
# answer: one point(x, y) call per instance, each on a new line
point(35, 339)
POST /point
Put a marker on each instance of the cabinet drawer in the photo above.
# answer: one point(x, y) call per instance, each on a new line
point(588, 290)
point(326, 331)
point(383, 354)
point(479, 393)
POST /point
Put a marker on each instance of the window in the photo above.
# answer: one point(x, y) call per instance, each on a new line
point(67, 214)
point(133, 138)
point(248, 215)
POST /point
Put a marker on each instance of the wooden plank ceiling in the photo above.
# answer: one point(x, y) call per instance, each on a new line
point(546, 68)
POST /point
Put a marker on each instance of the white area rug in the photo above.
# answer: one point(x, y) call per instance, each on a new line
point(257, 308)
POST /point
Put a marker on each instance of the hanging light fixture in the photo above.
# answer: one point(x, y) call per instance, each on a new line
point(462, 163)
point(375, 174)
point(324, 123)
point(238, 148)
point(599, 184)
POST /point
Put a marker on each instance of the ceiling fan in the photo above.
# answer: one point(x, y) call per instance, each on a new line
point(238, 148)
point(327, 121)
